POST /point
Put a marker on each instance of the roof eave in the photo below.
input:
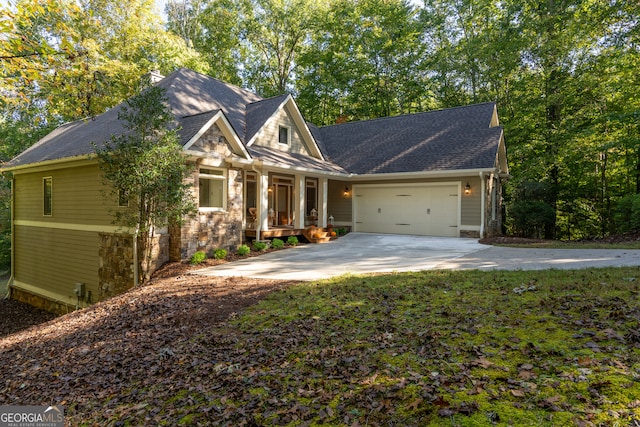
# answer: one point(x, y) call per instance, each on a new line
point(422, 174)
point(278, 167)
point(51, 164)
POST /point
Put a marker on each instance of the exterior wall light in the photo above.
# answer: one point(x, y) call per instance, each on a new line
point(346, 191)
point(467, 189)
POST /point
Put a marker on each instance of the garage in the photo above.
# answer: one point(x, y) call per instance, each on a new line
point(420, 209)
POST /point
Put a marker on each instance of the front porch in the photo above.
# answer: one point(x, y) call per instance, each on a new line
point(278, 232)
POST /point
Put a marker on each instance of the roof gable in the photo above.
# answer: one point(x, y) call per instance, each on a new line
point(192, 128)
point(266, 113)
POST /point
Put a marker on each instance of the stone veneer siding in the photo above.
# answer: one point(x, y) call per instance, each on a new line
point(115, 272)
point(208, 231)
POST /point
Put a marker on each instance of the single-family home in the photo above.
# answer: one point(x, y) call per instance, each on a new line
point(260, 170)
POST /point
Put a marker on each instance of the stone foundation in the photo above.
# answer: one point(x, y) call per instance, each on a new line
point(39, 301)
point(470, 234)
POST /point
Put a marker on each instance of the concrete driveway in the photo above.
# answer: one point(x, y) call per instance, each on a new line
point(359, 253)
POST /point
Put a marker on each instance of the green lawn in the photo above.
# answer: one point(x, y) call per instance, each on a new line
point(544, 348)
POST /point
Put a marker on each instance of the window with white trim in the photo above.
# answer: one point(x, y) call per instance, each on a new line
point(284, 135)
point(212, 189)
point(47, 196)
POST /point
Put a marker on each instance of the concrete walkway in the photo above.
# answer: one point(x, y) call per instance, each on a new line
point(359, 253)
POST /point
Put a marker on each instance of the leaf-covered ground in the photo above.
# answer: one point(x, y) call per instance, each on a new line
point(447, 348)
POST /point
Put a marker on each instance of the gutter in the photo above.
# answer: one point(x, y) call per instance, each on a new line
point(33, 167)
point(483, 204)
point(135, 258)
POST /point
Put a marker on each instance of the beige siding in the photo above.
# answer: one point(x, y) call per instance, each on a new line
point(338, 204)
point(55, 260)
point(77, 197)
point(268, 137)
point(471, 203)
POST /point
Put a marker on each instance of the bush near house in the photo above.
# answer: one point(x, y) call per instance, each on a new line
point(198, 258)
point(260, 246)
point(277, 243)
point(220, 253)
point(243, 250)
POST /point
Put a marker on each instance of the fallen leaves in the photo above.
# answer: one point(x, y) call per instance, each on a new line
point(404, 349)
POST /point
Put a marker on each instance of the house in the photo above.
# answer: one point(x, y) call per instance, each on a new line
point(260, 171)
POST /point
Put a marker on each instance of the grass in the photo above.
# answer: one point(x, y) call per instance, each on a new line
point(446, 348)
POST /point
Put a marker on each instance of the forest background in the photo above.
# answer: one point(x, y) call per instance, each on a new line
point(565, 75)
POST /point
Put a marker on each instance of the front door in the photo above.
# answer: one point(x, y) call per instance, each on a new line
point(283, 201)
point(283, 204)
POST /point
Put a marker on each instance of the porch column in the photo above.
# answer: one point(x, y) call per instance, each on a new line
point(263, 204)
point(323, 190)
point(299, 208)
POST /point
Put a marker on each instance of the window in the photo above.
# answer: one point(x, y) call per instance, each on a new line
point(47, 193)
point(283, 135)
point(212, 189)
point(123, 198)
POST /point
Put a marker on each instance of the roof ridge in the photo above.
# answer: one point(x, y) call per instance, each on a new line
point(202, 113)
point(407, 114)
point(184, 70)
point(271, 98)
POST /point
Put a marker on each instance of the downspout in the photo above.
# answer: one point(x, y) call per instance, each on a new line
point(135, 257)
point(13, 243)
point(483, 205)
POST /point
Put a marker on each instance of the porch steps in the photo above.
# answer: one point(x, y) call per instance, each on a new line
point(316, 235)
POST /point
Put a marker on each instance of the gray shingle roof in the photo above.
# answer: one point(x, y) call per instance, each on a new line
point(189, 94)
point(191, 125)
point(450, 139)
point(282, 158)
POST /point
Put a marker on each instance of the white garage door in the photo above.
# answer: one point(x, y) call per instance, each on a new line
point(423, 210)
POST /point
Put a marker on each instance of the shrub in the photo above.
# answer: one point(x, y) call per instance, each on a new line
point(220, 253)
point(292, 240)
point(627, 214)
point(198, 258)
point(277, 244)
point(259, 246)
point(243, 250)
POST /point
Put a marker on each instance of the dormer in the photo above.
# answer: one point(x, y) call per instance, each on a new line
point(277, 124)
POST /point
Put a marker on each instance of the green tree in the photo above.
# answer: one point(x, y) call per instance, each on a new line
point(213, 28)
point(364, 61)
point(147, 166)
point(275, 34)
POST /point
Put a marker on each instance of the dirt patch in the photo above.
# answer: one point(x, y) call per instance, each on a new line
point(514, 240)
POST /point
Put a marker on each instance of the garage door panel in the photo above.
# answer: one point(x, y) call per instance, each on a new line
point(429, 210)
